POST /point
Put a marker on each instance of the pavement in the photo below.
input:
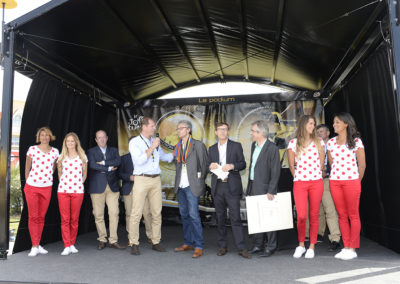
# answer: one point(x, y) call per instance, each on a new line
point(375, 264)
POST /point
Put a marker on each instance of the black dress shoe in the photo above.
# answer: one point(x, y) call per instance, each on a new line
point(116, 246)
point(244, 253)
point(135, 250)
point(101, 245)
point(267, 253)
point(255, 250)
point(158, 247)
point(320, 239)
point(334, 246)
point(222, 251)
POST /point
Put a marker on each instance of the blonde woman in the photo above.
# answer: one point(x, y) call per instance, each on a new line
point(39, 169)
point(72, 173)
point(306, 160)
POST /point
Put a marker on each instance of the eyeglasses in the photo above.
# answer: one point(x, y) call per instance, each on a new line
point(180, 128)
point(256, 131)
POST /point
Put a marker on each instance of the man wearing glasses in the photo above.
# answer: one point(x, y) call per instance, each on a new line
point(146, 154)
point(264, 174)
point(191, 169)
point(228, 192)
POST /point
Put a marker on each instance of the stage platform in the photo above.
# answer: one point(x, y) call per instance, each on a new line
point(375, 264)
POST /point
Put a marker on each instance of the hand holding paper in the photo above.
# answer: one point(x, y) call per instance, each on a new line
point(220, 173)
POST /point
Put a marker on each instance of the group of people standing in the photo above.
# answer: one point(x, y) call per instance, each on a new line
point(140, 172)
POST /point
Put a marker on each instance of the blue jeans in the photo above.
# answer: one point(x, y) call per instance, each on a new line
point(191, 223)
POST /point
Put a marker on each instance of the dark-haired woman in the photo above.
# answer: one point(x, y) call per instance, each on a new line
point(347, 159)
point(39, 168)
point(306, 159)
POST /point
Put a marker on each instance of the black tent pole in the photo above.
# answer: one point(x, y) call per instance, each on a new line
point(5, 139)
point(394, 15)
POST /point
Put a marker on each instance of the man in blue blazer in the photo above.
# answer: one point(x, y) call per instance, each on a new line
point(125, 172)
point(104, 188)
point(228, 192)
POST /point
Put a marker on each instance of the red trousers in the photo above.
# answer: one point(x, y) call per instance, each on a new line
point(346, 196)
point(37, 199)
point(308, 193)
point(70, 208)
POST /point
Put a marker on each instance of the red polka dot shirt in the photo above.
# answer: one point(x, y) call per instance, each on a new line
point(41, 173)
point(71, 180)
point(307, 165)
point(344, 160)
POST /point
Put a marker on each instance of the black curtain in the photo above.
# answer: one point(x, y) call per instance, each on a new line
point(370, 98)
point(51, 103)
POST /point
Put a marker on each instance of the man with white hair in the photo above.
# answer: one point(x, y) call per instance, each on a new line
point(264, 174)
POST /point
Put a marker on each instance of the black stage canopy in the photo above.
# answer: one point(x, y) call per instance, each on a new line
point(131, 50)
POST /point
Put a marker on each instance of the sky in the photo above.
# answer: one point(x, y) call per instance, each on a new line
point(22, 83)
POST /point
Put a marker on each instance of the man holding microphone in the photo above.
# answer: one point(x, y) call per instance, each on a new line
point(146, 154)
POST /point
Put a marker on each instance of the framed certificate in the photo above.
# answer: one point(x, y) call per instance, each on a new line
point(265, 215)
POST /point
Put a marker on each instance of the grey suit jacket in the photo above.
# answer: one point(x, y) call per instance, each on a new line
point(266, 171)
point(197, 162)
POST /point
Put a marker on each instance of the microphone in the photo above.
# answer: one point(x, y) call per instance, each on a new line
point(158, 136)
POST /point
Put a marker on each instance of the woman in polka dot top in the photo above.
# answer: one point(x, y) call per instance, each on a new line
point(72, 173)
point(39, 168)
point(306, 160)
point(347, 159)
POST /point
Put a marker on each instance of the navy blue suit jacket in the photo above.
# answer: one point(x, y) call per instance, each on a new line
point(125, 171)
point(99, 176)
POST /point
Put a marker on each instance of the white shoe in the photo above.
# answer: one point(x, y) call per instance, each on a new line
point(73, 249)
point(34, 251)
point(66, 251)
point(42, 250)
point(339, 254)
point(349, 254)
point(310, 253)
point(299, 252)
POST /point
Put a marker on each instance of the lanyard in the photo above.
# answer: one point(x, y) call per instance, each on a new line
point(148, 147)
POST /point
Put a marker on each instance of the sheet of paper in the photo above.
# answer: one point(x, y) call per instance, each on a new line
point(265, 215)
point(220, 173)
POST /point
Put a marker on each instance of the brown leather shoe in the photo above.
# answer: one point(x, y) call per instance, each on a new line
point(222, 251)
point(116, 246)
point(158, 247)
point(135, 250)
point(101, 245)
point(197, 253)
point(244, 253)
point(183, 248)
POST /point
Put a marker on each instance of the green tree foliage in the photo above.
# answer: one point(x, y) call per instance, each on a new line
point(16, 199)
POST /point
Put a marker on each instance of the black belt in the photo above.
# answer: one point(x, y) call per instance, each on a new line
point(150, 176)
point(223, 180)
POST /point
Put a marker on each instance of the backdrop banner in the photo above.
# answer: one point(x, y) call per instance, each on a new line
point(238, 112)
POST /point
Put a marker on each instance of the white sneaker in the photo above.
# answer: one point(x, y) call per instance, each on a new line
point(34, 251)
point(299, 252)
point(42, 250)
point(349, 254)
point(339, 254)
point(73, 249)
point(310, 253)
point(66, 251)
